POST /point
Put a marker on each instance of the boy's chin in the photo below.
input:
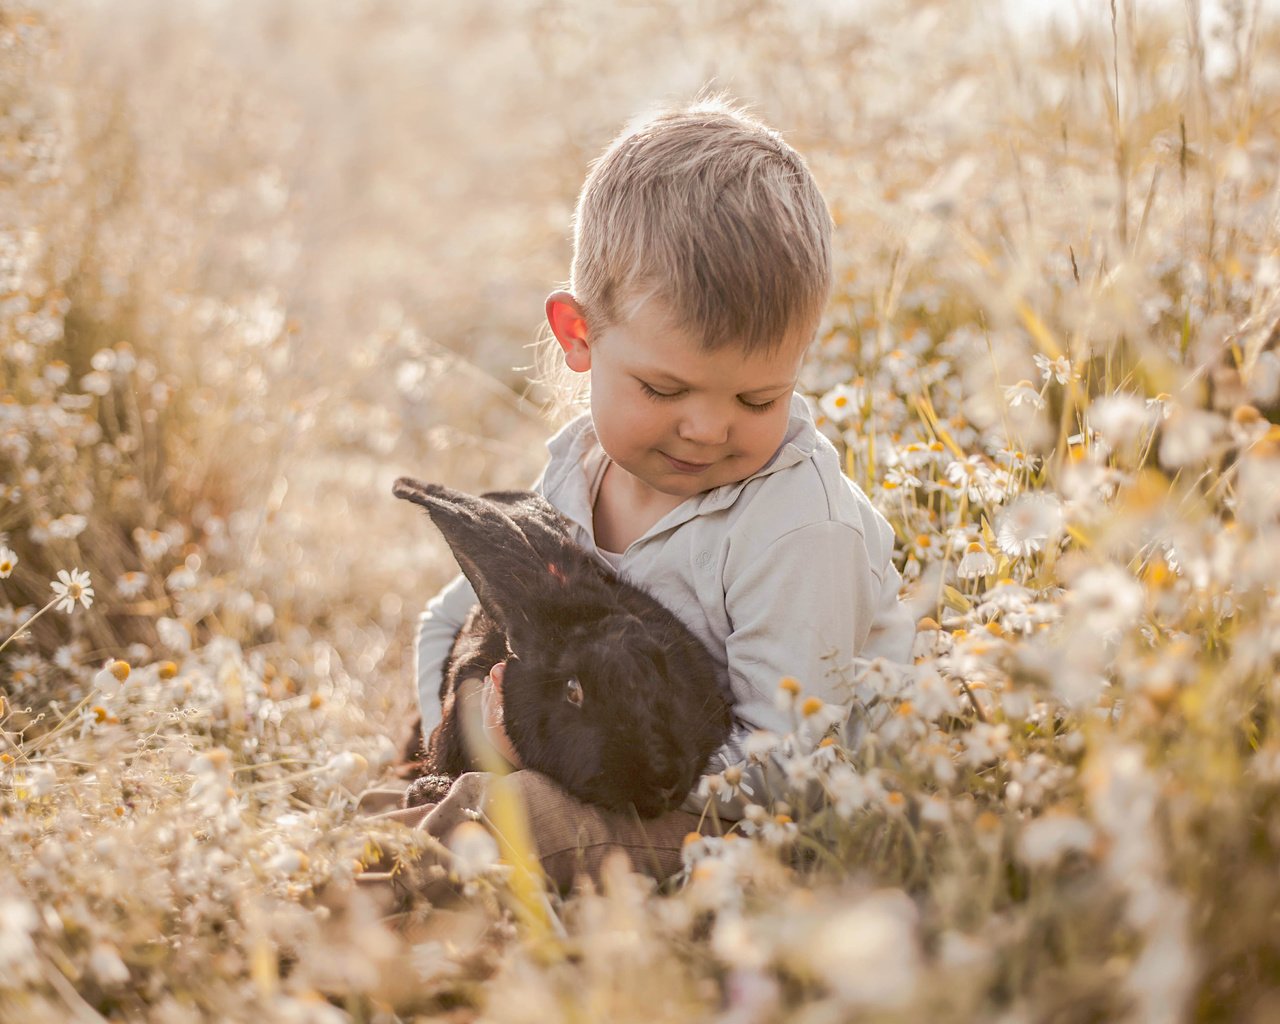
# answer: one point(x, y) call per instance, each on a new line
point(675, 485)
point(685, 485)
point(661, 477)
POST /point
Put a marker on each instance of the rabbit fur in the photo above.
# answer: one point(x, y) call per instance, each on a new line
point(605, 690)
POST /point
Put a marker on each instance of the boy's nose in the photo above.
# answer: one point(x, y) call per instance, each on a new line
point(707, 430)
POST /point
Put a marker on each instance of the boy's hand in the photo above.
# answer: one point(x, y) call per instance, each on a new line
point(493, 717)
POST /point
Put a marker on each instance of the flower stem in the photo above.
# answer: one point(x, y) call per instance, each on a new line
point(27, 624)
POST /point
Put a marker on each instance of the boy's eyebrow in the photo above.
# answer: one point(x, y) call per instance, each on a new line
point(670, 378)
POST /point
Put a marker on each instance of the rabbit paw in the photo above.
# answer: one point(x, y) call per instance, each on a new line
point(427, 789)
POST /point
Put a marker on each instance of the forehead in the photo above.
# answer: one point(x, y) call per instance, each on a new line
point(650, 339)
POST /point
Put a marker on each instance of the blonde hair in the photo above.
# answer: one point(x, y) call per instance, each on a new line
point(707, 209)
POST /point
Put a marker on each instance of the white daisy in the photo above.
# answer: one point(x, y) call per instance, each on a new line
point(131, 584)
point(901, 476)
point(841, 403)
point(973, 474)
point(1023, 393)
point(1028, 524)
point(1120, 418)
point(1059, 369)
point(7, 561)
point(71, 587)
point(474, 850)
point(68, 526)
point(977, 561)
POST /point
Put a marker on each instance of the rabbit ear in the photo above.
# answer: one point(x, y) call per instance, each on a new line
point(543, 526)
point(510, 576)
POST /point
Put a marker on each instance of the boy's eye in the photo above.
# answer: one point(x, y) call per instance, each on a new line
point(653, 392)
point(659, 396)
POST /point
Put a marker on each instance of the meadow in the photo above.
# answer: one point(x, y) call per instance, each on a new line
point(257, 261)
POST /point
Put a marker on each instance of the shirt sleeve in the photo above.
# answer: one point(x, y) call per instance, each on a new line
point(437, 628)
point(803, 607)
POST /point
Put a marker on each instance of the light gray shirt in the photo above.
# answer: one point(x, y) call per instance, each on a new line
point(786, 573)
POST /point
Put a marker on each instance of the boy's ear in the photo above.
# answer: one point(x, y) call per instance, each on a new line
point(570, 328)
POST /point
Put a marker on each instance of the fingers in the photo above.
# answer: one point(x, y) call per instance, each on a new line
point(491, 697)
point(491, 705)
point(494, 717)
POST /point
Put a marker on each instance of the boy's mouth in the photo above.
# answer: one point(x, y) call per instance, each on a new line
point(680, 466)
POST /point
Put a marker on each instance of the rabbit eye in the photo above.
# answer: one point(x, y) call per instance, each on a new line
point(573, 692)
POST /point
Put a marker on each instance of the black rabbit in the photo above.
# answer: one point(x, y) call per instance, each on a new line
point(605, 690)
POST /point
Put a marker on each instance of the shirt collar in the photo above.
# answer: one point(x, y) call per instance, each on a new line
point(576, 459)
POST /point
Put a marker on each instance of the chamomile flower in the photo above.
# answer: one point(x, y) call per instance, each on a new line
point(1023, 393)
point(475, 851)
point(1015, 458)
point(1120, 418)
point(96, 383)
point(1049, 838)
point(153, 544)
point(924, 547)
point(977, 562)
point(39, 782)
point(760, 745)
point(56, 373)
point(900, 476)
point(1028, 524)
point(71, 587)
point(110, 679)
point(915, 455)
point(974, 475)
point(131, 584)
point(840, 403)
point(346, 767)
point(1056, 369)
point(7, 562)
point(731, 782)
point(68, 656)
point(288, 861)
point(68, 526)
point(1106, 600)
point(24, 672)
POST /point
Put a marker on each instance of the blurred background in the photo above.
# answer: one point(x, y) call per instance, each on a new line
point(331, 227)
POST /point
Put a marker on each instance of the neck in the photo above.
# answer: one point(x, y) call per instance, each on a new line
point(638, 494)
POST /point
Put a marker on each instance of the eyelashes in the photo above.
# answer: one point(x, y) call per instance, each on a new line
point(659, 396)
point(665, 396)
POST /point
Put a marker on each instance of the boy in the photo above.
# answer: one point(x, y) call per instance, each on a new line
point(701, 267)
